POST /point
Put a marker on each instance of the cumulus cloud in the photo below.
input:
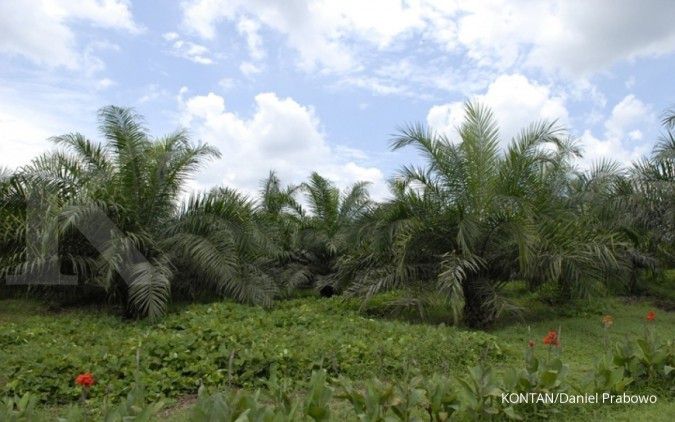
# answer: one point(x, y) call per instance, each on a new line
point(622, 138)
point(282, 135)
point(30, 113)
point(249, 29)
point(515, 101)
point(571, 37)
point(627, 114)
point(40, 29)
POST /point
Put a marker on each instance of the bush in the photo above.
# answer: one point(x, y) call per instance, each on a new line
point(223, 344)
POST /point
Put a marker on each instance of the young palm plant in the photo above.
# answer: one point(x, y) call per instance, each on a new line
point(322, 234)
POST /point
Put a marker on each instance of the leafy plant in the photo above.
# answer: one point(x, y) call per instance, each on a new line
point(17, 409)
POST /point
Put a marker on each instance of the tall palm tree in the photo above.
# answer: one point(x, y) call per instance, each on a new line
point(652, 195)
point(136, 181)
point(473, 218)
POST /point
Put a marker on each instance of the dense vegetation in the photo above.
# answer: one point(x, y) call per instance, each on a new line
point(221, 344)
point(258, 363)
point(456, 230)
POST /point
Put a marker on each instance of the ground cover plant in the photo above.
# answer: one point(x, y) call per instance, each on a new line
point(223, 343)
point(376, 368)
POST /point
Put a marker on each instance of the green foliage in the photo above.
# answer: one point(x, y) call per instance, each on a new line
point(243, 406)
point(536, 377)
point(155, 248)
point(222, 344)
point(240, 406)
point(319, 238)
point(479, 393)
point(645, 360)
point(18, 409)
point(609, 378)
point(437, 390)
point(473, 218)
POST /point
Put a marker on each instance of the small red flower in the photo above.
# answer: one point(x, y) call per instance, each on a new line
point(651, 316)
point(551, 339)
point(530, 344)
point(86, 380)
point(607, 321)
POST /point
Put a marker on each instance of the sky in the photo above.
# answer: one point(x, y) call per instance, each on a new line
point(298, 86)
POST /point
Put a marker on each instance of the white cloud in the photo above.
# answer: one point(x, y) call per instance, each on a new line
point(226, 83)
point(281, 135)
point(630, 82)
point(22, 139)
point(39, 29)
point(622, 138)
point(629, 113)
point(151, 93)
point(249, 29)
point(575, 37)
point(104, 83)
point(188, 50)
point(515, 101)
point(249, 69)
point(318, 31)
point(26, 127)
point(32, 112)
point(584, 36)
point(572, 37)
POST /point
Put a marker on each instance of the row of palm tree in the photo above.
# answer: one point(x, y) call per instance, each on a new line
point(457, 229)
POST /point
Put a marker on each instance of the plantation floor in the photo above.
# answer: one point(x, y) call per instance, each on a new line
point(216, 344)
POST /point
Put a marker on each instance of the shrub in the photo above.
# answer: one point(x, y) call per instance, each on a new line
point(223, 344)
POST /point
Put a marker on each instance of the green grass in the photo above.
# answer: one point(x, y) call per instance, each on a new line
point(582, 335)
point(582, 341)
point(662, 289)
point(226, 343)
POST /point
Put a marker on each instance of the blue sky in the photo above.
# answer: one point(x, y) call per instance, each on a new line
point(321, 85)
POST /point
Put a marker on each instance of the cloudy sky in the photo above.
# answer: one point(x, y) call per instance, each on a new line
point(321, 85)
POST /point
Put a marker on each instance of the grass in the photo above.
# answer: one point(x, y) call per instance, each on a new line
point(42, 350)
point(582, 332)
point(582, 338)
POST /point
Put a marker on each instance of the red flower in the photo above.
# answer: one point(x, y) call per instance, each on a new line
point(607, 321)
point(651, 316)
point(85, 380)
point(530, 344)
point(551, 339)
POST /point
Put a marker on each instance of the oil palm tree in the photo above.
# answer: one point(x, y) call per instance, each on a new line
point(652, 195)
point(222, 249)
point(136, 181)
point(472, 218)
point(321, 234)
